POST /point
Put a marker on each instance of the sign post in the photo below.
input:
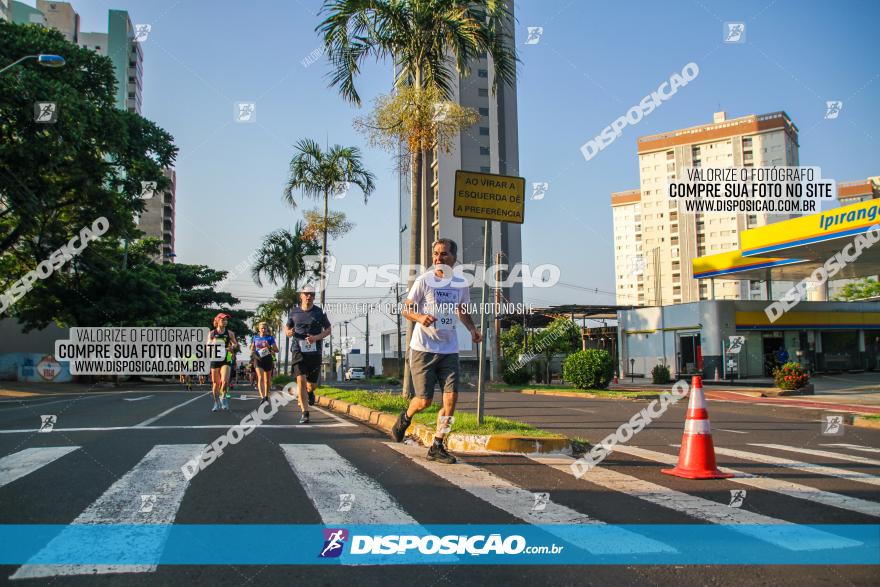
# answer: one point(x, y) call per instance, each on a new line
point(488, 197)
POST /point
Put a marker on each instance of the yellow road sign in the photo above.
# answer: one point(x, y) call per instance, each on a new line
point(487, 196)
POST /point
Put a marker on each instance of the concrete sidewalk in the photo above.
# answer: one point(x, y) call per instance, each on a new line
point(28, 389)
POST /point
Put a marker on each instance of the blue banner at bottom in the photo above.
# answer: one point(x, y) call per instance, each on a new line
point(591, 544)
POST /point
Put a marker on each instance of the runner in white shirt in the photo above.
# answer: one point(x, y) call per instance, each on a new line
point(435, 301)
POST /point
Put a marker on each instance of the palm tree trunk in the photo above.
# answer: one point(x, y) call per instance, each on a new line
point(324, 248)
point(415, 237)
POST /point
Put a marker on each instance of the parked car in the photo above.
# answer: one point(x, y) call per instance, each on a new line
point(355, 373)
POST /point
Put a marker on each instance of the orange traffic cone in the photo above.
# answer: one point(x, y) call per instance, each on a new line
point(697, 457)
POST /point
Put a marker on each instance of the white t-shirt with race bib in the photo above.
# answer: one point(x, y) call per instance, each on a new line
point(437, 297)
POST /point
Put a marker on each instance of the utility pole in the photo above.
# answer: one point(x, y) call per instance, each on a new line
point(399, 331)
point(367, 345)
point(496, 348)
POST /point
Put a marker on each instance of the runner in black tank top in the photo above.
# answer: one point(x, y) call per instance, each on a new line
point(220, 369)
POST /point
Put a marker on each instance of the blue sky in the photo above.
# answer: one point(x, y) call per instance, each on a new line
point(594, 61)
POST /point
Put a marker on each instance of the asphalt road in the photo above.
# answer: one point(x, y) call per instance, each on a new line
point(107, 450)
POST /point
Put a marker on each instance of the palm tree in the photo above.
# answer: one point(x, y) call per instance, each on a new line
point(317, 174)
point(426, 39)
point(281, 260)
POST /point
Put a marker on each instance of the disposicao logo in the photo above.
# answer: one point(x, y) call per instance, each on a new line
point(334, 540)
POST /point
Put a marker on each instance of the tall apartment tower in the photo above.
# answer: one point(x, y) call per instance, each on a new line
point(654, 241)
point(490, 146)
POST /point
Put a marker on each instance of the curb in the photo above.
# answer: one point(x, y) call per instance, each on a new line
point(463, 443)
point(862, 422)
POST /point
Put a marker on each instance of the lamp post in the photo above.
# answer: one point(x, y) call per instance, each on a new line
point(44, 59)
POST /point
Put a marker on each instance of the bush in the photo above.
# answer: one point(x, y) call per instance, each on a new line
point(660, 374)
point(515, 374)
point(282, 380)
point(790, 376)
point(590, 369)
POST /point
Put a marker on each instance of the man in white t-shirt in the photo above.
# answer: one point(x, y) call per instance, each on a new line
point(436, 300)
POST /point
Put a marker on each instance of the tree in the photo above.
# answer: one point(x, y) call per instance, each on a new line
point(859, 290)
point(428, 40)
point(336, 224)
point(316, 174)
point(96, 291)
point(557, 338)
point(56, 178)
point(280, 259)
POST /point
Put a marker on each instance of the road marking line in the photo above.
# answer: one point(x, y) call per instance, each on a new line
point(854, 447)
point(800, 465)
point(25, 462)
point(326, 475)
point(785, 534)
point(136, 399)
point(821, 453)
point(796, 490)
point(334, 416)
point(178, 427)
point(159, 474)
point(734, 431)
point(33, 405)
point(520, 503)
point(149, 421)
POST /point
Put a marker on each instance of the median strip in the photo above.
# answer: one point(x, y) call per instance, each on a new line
point(494, 435)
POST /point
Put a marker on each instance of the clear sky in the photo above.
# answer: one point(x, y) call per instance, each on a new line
point(593, 62)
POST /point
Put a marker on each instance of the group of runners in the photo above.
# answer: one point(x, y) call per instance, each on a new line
point(434, 302)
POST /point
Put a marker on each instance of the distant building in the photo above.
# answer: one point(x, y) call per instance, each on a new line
point(157, 219)
point(654, 242)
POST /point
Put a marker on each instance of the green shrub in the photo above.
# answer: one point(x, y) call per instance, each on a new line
point(790, 376)
point(590, 369)
point(660, 374)
point(515, 374)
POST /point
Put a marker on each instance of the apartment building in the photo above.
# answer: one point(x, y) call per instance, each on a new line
point(654, 241)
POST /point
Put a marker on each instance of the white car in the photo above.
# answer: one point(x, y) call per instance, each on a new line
point(355, 373)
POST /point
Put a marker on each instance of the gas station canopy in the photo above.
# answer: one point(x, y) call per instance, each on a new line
point(791, 250)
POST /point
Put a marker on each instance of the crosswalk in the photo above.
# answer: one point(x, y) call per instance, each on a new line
point(342, 493)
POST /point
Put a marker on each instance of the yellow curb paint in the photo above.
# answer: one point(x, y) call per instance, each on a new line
point(862, 422)
point(462, 443)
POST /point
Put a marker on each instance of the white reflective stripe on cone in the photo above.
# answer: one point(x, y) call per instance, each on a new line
point(697, 427)
point(698, 399)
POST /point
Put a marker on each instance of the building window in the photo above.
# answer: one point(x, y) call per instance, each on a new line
point(483, 73)
point(484, 150)
point(670, 155)
point(483, 92)
point(484, 112)
point(484, 130)
point(485, 169)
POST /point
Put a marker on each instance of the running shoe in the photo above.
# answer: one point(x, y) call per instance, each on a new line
point(398, 431)
point(438, 453)
point(216, 407)
point(311, 398)
point(226, 403)
point(304, 419)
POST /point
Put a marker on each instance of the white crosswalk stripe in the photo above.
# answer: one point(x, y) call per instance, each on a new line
point(326, 476)
point(520, 503)
point(800, 465)
point(16, 466)
point(785, 535)
point(796, 490)
point(157, 474)
point(853, 447)
point(822, 453)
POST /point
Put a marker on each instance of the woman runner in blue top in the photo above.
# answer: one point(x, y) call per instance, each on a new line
point(263, 346)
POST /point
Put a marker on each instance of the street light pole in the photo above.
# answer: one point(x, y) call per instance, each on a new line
point(43, 59)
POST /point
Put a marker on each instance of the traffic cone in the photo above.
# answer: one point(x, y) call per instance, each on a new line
point(615, 381)
point(697, 457)
point(716, 373)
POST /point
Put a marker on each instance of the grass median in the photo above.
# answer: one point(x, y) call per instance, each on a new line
point(465, 422)
point(549, 389)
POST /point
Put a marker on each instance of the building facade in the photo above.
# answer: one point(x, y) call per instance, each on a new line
point(654, 241)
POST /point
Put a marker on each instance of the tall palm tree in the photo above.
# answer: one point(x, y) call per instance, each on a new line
point(429, 41)
point(280, 259)
point(318, 174)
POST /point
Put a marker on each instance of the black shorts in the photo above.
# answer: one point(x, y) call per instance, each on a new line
point(310, 367)
point(219, 364)
point(265, 363)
